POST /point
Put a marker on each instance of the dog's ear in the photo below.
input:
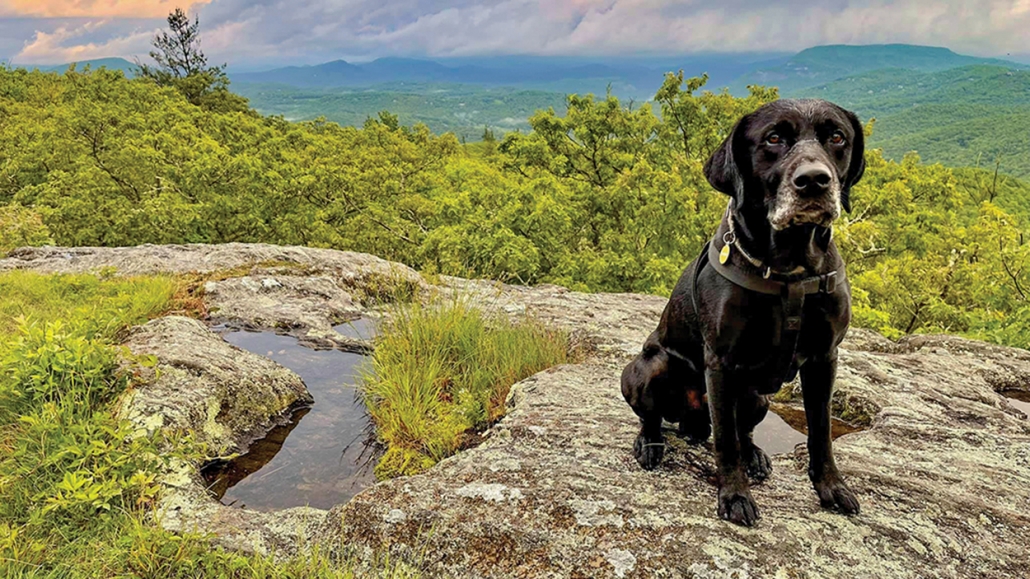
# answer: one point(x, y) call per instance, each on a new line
point(856, 168)
point(724, 168)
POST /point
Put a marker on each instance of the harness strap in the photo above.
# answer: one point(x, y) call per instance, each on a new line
point(793, 303)
point(702, 261)
point(792, 292)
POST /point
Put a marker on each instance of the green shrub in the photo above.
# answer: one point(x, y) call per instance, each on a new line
point(21, 227)
point(443, 371)
point(47, 364)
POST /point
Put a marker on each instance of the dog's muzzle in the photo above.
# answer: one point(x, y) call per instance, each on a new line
point(809, 193)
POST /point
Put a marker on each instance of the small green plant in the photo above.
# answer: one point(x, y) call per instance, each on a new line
point(47, 364)
point(442, 372)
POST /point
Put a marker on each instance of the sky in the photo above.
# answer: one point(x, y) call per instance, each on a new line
point(254, 32)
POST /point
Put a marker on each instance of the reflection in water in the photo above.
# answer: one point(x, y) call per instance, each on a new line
point(776, 436)
point(1020, 401)
point(223, 475)
point(360, 329)
point(795, 417)
point(318, 459)
point(784, 427)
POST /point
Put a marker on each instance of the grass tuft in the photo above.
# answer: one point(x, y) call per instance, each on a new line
point(442, 372)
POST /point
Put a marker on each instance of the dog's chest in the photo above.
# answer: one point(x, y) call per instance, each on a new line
point(759, 341)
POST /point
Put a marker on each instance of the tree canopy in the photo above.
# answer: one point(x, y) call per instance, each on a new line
point(605, 197)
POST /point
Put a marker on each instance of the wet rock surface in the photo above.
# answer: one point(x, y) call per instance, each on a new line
point(225, 396)
point(942, 469)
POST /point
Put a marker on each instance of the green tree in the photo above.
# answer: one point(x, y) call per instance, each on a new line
point(182, 64)
point(489, 141)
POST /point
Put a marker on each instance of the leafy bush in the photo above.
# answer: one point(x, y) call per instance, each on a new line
point(441, 372)
point(21, 227)
point(48, 365)
point(67, 458)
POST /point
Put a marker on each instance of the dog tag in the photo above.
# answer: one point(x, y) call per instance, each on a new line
point(724, 255)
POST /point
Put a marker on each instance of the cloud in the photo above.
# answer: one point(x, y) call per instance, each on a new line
point(456, 28)
point(95, 8)
point(54, 47)
point(241, 31)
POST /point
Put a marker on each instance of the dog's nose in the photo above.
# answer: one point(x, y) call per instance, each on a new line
point(812, 179)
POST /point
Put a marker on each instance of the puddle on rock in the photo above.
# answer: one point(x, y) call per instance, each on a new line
point(775, 436)
point(1019, 400)
point(790, 418)
point(360, 329)
point(784, 427)
point(318, 458)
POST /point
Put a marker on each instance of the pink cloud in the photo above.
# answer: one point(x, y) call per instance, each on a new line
point(55, 48)
point(95, 8)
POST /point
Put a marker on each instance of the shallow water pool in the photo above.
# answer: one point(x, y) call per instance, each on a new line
point(320, 457)
point(775, 436)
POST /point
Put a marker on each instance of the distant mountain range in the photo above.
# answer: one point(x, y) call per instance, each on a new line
point(823, 64)
point(109, 63)
point(637, 78)
point(628, 77)
point(970, 115)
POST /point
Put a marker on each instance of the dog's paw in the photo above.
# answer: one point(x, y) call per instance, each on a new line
point(738, 507)
point(834, 494)
point(648, 453)
point(759, 467)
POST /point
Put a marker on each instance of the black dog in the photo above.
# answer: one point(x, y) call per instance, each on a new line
point(767, 297)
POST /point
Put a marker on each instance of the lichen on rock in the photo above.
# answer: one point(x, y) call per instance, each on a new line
point(942, 469)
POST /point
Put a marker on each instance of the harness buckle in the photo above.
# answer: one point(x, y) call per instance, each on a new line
point(829, 283)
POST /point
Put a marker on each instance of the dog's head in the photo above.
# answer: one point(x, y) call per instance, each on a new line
point(796, 158)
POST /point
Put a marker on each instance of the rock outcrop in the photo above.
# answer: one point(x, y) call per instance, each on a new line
point(942, 467)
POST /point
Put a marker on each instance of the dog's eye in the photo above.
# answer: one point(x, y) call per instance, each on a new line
point(837, 138)
point(774, 139)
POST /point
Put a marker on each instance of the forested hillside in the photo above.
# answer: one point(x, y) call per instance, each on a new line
point(950, 108)
point(822, 64)
point(464, 110)
point(604, 198)
point(968, 116)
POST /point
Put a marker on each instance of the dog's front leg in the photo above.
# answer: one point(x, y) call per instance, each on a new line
point(735, 502)
point(817, 377)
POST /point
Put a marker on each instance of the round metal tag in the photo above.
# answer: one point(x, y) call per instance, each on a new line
point(724, 255)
